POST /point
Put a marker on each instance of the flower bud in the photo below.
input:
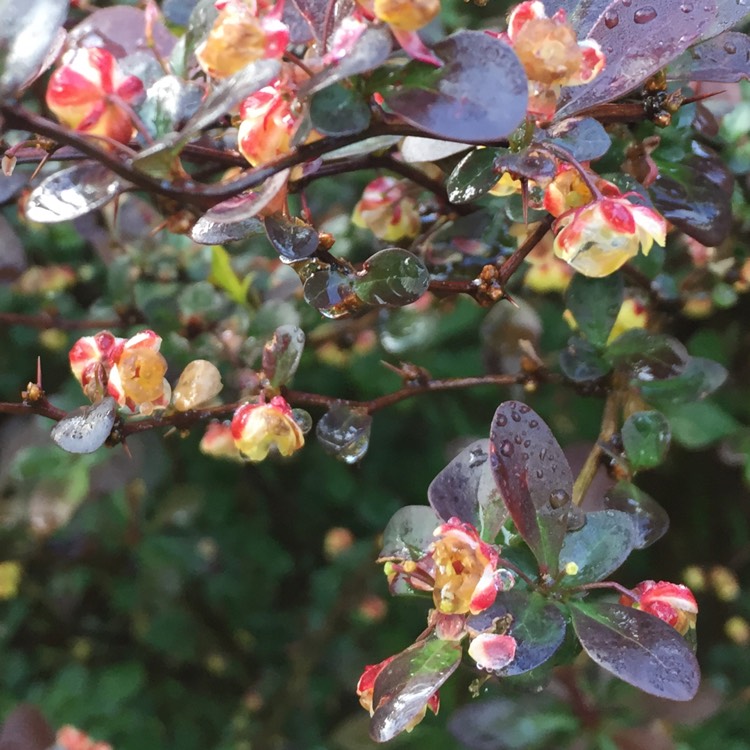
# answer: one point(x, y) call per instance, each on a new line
point(406, 15)
point(257, 428)
point(492, 652)
point(671, 602)
point(387, 210)
point(219, 442)
point(86, 93)
point(267, 125)
point(199, 382)
point(70, 738)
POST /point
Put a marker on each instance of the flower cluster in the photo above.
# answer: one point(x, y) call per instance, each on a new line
point(551, 55)
point(462, 574)
point(90, 93)
point(671, 602)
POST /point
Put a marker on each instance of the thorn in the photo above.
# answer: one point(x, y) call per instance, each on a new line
point(39, 372)
point(126, 449)
point(511, 300)
point(525, 199)
point(115, 209)
point(39, 166)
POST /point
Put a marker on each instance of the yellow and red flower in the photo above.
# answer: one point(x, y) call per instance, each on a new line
point(388, 209)
point(600, 237)
point(88, 91)
point(90, 362)
point(241, 35)
point(267, 125)
point(551, 55)
point(465, 569)
point(671, 602)
point(218, 442)
point(366, 688)
point(257, 428)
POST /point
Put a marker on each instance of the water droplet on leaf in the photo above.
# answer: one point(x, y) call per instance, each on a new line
point(611, 19)
point(644, 15)
point(506, 448)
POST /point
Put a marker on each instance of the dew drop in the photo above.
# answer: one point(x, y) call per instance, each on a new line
point(686, 7)
point(558, 498)
point(644, 15)
point(524, 409)
point(627, 3)
point(515, 416)
point(518, 439)
point(502, 420)
point(476, 458)
point(527, 443)
point(611, 19)
point(525, 456)
point(533, 424)
point(729, 48)
point(542, 454)
point(506, 448)
point(539, 474)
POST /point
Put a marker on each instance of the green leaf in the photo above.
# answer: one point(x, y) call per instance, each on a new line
point(700, 378)
point(391, 277)
point(650, 520)
point(473, 176)
point(599, 547)
point(698, 424)
point(581, 362)
point(537, 625)
point(647, 357)
point(409, 533)
point(407, 683)
point(338, 110)
point(646, 436)
point(595, 303)
point(638, 648)
point(224, 276)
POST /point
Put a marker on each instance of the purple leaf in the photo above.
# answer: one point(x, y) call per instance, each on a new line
point(650, 520)
point(480, 93)
point(584, 137)
point(537, 625)
point(25, 728)
point(723, 59)
point(87, 429)
point(638, 37)
point(638, 648)
point(465, 489)
point(533, 477)
point(405, 685)
point(237, 218)
point(324, 16)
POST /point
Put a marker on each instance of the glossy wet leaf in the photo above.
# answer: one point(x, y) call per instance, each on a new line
point(409, 533)
point(416, 149)
point(650, 520)
point(371, 50)
point(647, 357)
point(73, 192)
point(646, 436)
point(722, 59)
point(282, 354)
point(533, 477)
point(87, 429)
point(537, 625)
point(638, 648)
point(27, 34)
point(291, 237)
point(330, 292)
point(169, 103)
point(391, 277)
point(202, 17)
point(599, 547)
point(473, 176)
point(466, 489)
point(638, 39)
point(581, 362)
point(479, 94)
point(237, 217)
point(338, 110)
point(584, 137)
point(344, 432)
point(700, 378)
point(405, 685)
point(595, 303)
point(697, 424)
point(531, 162)
point(688, 196)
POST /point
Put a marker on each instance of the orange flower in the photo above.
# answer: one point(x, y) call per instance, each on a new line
point(600, 237)
point(387, 210)
point(87, 93)
point(257, 428)
point(671, 602)
point(267, 126)
point(551, 54)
